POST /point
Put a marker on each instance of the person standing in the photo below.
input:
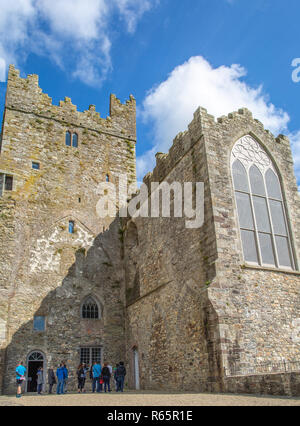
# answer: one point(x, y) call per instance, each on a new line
point(40, 380)
point(66, 374)
point(96, 377)
point(106, 377)
point(114, 373)
point(60, 374)
point(51, 380)
point(81, 376)
point(91, 375)
point(120, 377)
point(111, 373)
point(20, 377)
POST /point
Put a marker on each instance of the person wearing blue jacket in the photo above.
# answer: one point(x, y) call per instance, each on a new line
point(97, 369)
point(60, 374)
point(20, 377)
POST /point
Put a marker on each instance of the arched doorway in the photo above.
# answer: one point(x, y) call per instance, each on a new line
point(35, 360)
point(136, 368)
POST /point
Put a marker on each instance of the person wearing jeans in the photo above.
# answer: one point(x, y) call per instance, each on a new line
point(66, 376)
point(40, 380)
point(120, 377)
point(20, 377)
point(60, 374)
point(51, 379)
point(96, 377)
point(106, 378)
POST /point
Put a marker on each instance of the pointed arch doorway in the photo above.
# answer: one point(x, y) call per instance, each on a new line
point(35, 360)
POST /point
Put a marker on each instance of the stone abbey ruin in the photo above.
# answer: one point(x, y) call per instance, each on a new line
point(214, 309)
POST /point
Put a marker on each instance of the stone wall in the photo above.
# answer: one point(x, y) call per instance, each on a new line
point(256, 307)
point(199, 309)
point(284, 384)
point(183, 299)
point(45, 270)
point(172, 323)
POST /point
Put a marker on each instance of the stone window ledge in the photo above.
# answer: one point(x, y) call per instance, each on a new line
point(265, 268)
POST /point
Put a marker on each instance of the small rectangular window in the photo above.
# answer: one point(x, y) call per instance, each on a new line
point(90, 355)
point(8, 183)
point(39, 323)
point(71, 227)
point(36, 166)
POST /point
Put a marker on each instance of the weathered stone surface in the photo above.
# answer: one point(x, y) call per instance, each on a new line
point(183, 299)
point(201, 310)
point(45, 270)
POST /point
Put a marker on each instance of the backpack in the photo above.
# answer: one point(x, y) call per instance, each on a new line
point(121, 371)
point(105, 372)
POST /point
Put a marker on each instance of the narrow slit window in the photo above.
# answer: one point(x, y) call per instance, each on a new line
point(75, 140)
point(68, 138)
point(107, 178)
point(71, 227)
point(39, 323)
point(8, 183)
point(36, 166)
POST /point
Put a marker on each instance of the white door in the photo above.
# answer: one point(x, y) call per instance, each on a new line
point(136, 369)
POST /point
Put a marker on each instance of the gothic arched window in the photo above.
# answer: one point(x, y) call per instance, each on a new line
point(75, 140)
point(90, 309)
point(72, 139)
point(261, 210)
point(68, 138)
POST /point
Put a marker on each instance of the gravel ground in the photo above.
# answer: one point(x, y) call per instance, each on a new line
point(147, 399)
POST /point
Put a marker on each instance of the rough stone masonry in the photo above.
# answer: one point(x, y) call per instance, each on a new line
point(182, 307)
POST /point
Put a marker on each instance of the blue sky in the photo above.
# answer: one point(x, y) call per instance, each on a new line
point(172, 55)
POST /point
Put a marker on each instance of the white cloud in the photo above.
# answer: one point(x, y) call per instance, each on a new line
point(75, 34)
point(169, 107)
point(74, 19)
point(15, 19)
point(131, 11)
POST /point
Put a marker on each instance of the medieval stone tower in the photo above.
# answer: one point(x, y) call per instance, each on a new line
point(209, 309)
point(61, 273)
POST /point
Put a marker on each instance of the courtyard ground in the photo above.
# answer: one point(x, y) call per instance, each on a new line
point(155, 399)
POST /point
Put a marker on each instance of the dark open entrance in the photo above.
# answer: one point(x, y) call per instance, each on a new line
point(35, 361)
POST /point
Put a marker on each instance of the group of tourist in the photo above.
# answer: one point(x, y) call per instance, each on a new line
point(100, 378)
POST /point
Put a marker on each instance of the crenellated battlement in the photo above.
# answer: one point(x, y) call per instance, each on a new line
point(25, 95)
point(43, 145)
point(203, 126)
point(164, 293)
